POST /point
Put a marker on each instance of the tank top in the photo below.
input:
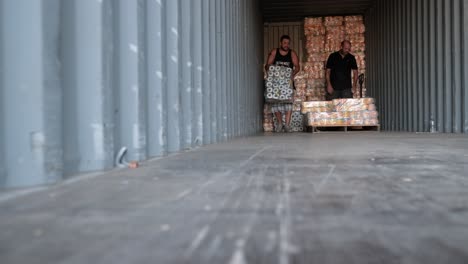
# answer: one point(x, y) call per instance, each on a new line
point(285, 60)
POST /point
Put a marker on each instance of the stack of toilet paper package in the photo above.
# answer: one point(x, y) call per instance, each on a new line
point(341, 112)
point(278, 85)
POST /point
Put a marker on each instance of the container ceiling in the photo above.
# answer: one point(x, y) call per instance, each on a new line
point(295, 10)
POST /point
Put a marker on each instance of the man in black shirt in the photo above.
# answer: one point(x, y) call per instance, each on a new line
point(339, 67)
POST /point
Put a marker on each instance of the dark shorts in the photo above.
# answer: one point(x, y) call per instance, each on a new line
point(337, 94)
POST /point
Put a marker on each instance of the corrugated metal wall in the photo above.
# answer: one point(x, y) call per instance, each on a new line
point(417, 64)
point(80, 79)
point(272, 33)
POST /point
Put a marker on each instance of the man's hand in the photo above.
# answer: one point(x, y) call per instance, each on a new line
point(330, 89)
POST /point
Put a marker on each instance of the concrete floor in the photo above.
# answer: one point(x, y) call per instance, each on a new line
point(297, 198)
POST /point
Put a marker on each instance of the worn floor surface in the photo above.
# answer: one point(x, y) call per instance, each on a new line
point(297, 198)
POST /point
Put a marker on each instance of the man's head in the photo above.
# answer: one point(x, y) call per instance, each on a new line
point(284, 42)
point(345, 47)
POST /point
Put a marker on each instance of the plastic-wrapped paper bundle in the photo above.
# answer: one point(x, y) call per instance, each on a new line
point(366, 114)
point(316, 89)
point(300, 95)
point(313, 26)
point(315, 44)
point(353, 18)
point(356, 27)
point(371, 122)
point(326, 119)
point(318, 57)
point(268, 125)
point(355, 39)
point(358, 42)
point(298, 99)
point(328, 104)
point(300, 81)
point(360, 60)
point(335, 32)
point(348, 105)
point(315, 95)
point(333, 45)
point(367, 101)
point(333, 21)
point(278, 84)
point(314, 30)
point(315, 70)
point(297, 106)
point(335, 35)
point(317, 107)
point(316, 83)
point(297, 122)
point(301, 90)
point(364, 118)
point(313, 21)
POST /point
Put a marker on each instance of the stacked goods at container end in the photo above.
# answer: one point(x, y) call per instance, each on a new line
point(317, 107)
point(300, 93)
point(323, 36)
point(341, 112)
point(335, 33)
point(300, 83)
point(314, 30)
point(268, 124)
point(358, 111)
point(297, 122)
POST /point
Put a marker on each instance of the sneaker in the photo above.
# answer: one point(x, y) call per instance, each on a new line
point(287, 129)
point(279, 128)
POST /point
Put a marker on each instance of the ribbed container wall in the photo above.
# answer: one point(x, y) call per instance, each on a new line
point(417, 64)
point(81, 79)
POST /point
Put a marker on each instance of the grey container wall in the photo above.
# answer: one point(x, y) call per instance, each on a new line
point(80, 79)
point(417, 64)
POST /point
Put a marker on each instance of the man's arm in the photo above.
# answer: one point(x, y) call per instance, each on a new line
point(355, 80)
point(295, 61)
point(270, 60)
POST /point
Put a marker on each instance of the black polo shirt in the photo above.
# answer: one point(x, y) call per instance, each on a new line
point(340, 67)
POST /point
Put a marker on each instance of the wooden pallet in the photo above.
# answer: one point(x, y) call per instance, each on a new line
point(342, 128)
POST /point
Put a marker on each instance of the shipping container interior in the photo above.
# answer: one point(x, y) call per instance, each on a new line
point(82, 79)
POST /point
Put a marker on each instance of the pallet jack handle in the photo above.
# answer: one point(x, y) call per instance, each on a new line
point(361, 81)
